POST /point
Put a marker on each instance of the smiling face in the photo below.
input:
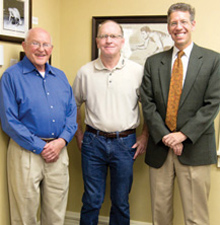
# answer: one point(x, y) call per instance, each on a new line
point(38, 48)
point(180, 28)
point(110, 40)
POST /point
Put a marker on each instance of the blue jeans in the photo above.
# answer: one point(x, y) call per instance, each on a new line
point(98, 154)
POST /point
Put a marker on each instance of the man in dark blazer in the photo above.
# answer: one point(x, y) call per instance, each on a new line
point(188, 151)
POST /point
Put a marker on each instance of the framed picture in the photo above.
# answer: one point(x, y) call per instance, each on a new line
point(15, 19)
point(144, 36)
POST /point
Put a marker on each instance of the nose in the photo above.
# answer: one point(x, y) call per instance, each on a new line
point(179, 25)
point(41, 47)
point(108, 39)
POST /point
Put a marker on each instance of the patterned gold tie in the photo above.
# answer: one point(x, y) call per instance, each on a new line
point(174, 92)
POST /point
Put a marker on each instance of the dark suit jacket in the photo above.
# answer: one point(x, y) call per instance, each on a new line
point(199, 105)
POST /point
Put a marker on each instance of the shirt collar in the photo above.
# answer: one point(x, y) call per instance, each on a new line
point(187, 50)
point(28, 67)
point(99, 65)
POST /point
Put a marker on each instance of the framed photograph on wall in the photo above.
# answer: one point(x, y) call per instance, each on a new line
point(144, 36)
point(15, 19)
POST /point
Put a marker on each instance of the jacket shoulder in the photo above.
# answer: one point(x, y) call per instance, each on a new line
point(205, 52)
point(160, 55)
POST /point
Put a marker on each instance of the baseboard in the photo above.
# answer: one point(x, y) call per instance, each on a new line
point(72, 218)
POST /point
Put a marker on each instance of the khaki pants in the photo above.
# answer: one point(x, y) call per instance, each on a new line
point(32, 181)
point(194, 186)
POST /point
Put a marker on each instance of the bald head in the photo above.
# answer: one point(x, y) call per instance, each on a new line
point(37, 30)
point(38, 47)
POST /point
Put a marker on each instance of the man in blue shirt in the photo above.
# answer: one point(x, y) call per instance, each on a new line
point(38, 112)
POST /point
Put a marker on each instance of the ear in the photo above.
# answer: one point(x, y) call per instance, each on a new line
point(123, 40)
point(168, 28)
point(193, 25)
point(97, 42)
point(23, 45)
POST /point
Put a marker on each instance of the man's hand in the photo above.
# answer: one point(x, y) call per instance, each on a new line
point(173, 139)
point(141, 145)
point(178, 149)
point(79, 133)
point(52, 150)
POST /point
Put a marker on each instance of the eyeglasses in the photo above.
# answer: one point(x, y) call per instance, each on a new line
point(112, 36)
point(182, 23)
point(38, 45)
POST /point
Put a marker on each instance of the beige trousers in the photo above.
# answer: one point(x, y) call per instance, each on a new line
point(194, 186)
point(32, 181)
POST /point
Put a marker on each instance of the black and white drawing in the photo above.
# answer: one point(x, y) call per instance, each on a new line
point(13, 12)
point(15, 19)
point(144, 40)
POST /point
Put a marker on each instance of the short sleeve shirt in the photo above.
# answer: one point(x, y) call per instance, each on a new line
point(110, 96)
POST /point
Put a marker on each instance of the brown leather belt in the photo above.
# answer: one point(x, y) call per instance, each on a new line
point(110, 134)
point(47, 139)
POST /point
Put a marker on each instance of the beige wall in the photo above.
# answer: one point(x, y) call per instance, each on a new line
point(69, 22)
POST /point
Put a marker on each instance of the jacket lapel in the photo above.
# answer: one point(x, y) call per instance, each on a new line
point(194, 66)
point(165, 74)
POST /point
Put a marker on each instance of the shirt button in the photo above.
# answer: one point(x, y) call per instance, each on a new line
point(51, 107)
point(53, 121)
point(52, 134)
point(34, 150)
point(48, 93)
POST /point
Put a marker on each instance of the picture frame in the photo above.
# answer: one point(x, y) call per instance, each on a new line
point(144, 35)
point(15, 19)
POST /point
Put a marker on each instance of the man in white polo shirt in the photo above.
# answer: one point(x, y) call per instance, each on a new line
point(109, 87)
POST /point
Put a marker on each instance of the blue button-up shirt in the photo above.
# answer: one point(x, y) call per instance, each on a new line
point(33, 107)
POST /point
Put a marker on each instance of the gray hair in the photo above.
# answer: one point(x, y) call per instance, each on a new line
point(181, 7)
point(111, 21)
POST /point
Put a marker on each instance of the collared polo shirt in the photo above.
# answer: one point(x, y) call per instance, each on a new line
point(110, 96)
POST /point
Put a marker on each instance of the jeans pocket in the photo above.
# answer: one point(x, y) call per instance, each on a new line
point(126, 143)
point(88, 138)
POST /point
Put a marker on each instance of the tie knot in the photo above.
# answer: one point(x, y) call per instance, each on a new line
point(180, 54)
